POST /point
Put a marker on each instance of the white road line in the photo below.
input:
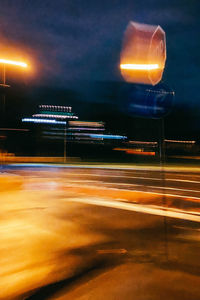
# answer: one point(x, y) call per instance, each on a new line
point(183, 180)
point(183, 215)
point(81, 181)
point(150, 186)
point(119, 183)
point(145, 192)
point(132, 177)
point(186, 228)
point(161, 194)
point(174, 189)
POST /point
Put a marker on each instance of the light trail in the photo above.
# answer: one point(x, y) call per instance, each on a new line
point(12, 62)
point(152, 210)
point(150, 186)
point(174, 189)
point(132, 177)
point(133, 190)
point(139, 66)
point(54, 116)
point(117, 167)
point(45, 121)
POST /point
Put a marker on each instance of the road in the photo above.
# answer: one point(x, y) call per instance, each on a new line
point(94, 233)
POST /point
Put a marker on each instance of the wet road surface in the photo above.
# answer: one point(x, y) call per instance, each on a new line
point(61, 239)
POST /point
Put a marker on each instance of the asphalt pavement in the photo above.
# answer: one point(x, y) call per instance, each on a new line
point(100, 233)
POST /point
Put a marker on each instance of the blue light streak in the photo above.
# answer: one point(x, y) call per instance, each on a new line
point(44, 121)
point(107, 136)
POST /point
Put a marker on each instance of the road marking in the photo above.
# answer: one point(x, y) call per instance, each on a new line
point(139, 191)
point(186, 228)
point(174, 189)
point(81, 181)
point(152, 187)
point(176, 214)
point(183, 180)
point(147, 186)
point(112, 251)
point(133, 177)
point(118, 183)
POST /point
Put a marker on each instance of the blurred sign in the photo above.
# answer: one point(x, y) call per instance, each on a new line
point(143, 54)
point(149, 102)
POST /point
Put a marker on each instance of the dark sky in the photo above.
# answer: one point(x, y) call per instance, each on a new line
point(69, 40)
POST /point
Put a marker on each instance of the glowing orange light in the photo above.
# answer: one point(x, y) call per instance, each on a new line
point(139, 66)
point(12, 62)
point(136, 151)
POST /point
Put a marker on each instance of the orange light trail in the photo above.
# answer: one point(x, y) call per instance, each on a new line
point(136, 151)
point(12, 62)
point(139, 66)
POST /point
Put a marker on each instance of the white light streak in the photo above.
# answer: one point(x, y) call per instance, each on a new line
point(139, 66)
point(146, 209)
point(12, 62)
point(45, 121)
point(55, 116)
point(56, 107)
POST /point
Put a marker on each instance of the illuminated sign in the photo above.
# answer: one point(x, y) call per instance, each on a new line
point(143, 54)
point(147, 101)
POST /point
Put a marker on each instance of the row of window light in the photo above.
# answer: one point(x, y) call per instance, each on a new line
point(56, 108)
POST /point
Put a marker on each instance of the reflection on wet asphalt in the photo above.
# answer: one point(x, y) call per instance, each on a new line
point(54, 248)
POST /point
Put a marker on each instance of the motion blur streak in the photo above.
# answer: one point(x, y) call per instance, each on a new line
point(12, 62)
point(139, 66)
point(60, 227)
point(136, 151)
point(36, 239)
point(55, 116)
point(142, 208)
point(46, 121)
point(143, 53)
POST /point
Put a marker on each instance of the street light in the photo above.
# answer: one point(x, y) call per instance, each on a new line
point(5, 62)
point(3, 85)
point(13, 62)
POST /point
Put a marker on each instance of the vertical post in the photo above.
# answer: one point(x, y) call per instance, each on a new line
point(2, 123)
point(3, 94)
point(4, 74)
point(162, 166)
point(65, 143)
point(162, 156)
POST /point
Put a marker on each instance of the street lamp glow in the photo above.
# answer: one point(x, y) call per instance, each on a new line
point(12, 62)
point(139, 66)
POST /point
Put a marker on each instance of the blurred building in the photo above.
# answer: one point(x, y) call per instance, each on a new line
point(54, 126)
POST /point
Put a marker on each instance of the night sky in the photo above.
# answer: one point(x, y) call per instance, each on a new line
point(69, 41)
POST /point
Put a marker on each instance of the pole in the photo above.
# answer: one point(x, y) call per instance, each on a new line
point(3, 95)
point(3, 112)
point(162, 165)
point(65, 143)
point(4, 74)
